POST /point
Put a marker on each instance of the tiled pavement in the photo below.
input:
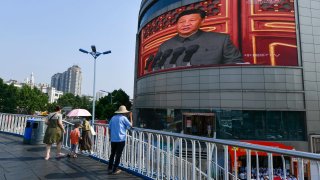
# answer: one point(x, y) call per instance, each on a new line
point(19, 161)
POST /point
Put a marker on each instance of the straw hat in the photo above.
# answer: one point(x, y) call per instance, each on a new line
point(122, 109)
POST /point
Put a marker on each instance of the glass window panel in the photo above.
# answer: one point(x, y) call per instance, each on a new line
point(261, 125)
point(241, 125)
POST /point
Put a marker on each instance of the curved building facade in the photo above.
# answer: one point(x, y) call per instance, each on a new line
point(271, 95)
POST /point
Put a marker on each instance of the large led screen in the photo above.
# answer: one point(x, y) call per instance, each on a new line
point(245, 32)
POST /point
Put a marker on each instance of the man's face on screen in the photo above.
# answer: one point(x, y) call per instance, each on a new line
point(189, 24)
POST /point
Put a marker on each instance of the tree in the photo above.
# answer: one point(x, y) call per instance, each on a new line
point(31, 100)
point(85, 102)
point(69, 99)
point(51, 106)
point(8, 98)
point(2, 96)
point(24, 100)
point(121, 98)
point(104, 108)
point(27, 100)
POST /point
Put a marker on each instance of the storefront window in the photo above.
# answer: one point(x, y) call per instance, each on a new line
point(261, 125)
point(153, 118)
point(232, 124)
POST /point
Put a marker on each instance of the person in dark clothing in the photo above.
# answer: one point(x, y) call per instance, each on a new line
point(118, 126)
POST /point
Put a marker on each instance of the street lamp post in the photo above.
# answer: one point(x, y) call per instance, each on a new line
point(108, 93)
point(95, 55)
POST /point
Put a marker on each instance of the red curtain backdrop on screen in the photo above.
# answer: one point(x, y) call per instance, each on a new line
point(264, 30)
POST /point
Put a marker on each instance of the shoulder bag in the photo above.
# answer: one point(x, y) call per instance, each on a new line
point(93, 133)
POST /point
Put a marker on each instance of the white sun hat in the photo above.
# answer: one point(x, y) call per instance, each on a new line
point(122, 109)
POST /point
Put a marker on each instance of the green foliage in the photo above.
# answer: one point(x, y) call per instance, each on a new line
point(51, 107)
point(107, 105)
point(73, 101)
point(2, 97)
point(8, 98)
point(27, 100)
point(31, 100)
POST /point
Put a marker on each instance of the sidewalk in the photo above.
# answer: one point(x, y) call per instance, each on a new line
point(20, 161)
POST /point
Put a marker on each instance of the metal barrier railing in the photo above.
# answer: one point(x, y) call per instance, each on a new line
point(165, 155)
point(15, 123)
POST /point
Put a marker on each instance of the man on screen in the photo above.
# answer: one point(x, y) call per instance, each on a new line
point(193, 46)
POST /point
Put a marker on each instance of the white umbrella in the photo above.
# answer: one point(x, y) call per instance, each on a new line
point(79, 113)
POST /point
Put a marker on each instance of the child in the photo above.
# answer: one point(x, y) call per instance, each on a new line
point(74, 137)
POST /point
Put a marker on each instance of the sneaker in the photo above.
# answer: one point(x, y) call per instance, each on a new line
point(84, 153)
point(60, 155)
point(118, 171)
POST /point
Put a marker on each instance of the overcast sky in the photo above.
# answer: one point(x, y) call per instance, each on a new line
point(43, 37)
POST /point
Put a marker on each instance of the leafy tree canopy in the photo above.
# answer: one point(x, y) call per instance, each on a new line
point(107, 105)
point(24, 100)
point(31, 100)
point(27, 100)
point(76, 102)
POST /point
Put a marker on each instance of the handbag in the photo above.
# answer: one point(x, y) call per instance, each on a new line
point(93, 133)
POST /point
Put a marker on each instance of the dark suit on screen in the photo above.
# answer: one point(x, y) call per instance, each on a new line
point(201, 48)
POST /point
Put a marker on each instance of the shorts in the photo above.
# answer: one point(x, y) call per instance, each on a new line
point(74, 148)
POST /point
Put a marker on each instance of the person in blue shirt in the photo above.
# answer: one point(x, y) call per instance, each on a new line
point(118, 126)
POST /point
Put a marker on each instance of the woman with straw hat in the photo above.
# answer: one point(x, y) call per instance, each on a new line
point(118, 126)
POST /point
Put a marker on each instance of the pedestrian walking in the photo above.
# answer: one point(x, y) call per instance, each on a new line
point(118, 126)
point(54, 132)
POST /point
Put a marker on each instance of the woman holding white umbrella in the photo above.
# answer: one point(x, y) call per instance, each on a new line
point(85, 143)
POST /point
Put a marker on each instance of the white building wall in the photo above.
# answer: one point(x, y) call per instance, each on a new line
point(54, 95)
